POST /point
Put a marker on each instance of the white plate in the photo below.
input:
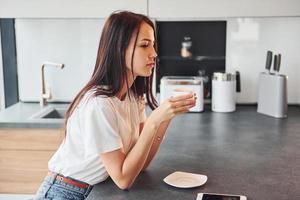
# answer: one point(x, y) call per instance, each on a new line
point(185, 179)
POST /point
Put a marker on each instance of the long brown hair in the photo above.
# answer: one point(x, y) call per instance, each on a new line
point(110, 67)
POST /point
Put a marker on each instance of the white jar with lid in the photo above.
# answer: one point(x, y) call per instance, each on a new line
point(223, 92)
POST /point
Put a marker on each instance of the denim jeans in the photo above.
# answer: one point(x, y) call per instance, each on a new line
point(57, 190)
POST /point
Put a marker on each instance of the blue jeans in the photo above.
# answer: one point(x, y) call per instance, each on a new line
point(57, 190)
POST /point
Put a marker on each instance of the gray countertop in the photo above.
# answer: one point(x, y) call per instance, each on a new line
point(241, 153)
point(21, 115)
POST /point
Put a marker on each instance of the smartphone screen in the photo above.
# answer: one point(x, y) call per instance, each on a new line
point(219, 197)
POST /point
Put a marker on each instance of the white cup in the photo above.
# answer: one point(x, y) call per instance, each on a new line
point(181, 91)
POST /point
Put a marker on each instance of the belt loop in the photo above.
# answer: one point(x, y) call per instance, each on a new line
point(87, 192)
point(53, 175)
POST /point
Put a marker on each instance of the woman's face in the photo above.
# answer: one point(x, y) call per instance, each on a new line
point(144, 54)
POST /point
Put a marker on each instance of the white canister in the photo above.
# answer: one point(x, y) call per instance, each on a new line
point(223, 92)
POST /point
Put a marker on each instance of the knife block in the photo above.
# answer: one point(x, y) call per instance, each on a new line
point(272, 95)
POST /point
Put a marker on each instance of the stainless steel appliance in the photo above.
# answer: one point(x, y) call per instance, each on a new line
point(223, 92)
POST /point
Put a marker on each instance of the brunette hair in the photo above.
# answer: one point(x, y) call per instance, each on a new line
point(110, 67)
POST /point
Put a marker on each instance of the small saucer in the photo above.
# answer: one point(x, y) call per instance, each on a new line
point(185, 179)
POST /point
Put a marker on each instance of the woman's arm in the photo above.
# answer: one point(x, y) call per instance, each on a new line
point(122, 168)
point(156, 142)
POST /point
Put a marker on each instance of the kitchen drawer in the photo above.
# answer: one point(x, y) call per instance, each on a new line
point(30, 139)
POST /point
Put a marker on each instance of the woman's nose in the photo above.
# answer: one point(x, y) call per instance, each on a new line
point(153, 54)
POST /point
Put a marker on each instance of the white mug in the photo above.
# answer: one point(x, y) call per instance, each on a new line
point(181, 91)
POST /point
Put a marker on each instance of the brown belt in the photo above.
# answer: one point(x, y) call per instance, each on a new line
point(68, 180)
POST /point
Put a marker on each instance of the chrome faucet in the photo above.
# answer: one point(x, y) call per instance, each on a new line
point(46, 95)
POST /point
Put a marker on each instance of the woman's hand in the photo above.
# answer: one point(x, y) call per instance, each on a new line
point(173, 106)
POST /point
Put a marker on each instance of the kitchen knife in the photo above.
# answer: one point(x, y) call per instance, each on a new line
point(275, 63)
point(278, 63)
point(269, 61)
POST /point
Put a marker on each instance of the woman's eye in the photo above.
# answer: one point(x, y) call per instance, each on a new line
point(145, 45)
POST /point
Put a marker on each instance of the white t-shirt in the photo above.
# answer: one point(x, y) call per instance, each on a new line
point(97, 125)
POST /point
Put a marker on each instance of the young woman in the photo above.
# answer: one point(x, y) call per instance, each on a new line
point(107, 133)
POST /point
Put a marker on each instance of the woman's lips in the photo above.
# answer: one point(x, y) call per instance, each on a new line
point(151, 65)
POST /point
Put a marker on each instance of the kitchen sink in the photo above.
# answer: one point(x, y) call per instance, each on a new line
point(55, 113)
point(51, 113)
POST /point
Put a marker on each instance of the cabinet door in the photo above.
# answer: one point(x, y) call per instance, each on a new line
point(21, 172)
point(24, 156)
point(30, 139)
point(68, 8)
point(220, 8)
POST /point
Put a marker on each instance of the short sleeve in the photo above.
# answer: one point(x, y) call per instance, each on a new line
point(142, 109)
point(100, 127)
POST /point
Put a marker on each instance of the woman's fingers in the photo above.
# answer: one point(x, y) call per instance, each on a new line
point(182, 109)
point(181, 97)
point(190, 101)
point(177, 105)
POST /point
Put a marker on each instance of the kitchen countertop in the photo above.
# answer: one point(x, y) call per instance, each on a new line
point(241, 153)
point(20, 115)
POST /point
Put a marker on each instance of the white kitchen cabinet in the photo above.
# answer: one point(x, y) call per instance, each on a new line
point(156, 8)
point(178, 9)
point(68, 8)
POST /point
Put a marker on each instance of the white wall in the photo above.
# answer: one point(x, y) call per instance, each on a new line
point(2, 100)
point(222, 8)
point(248, 40)
point(67, 8)
point(298, 85)
point(73, 42)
